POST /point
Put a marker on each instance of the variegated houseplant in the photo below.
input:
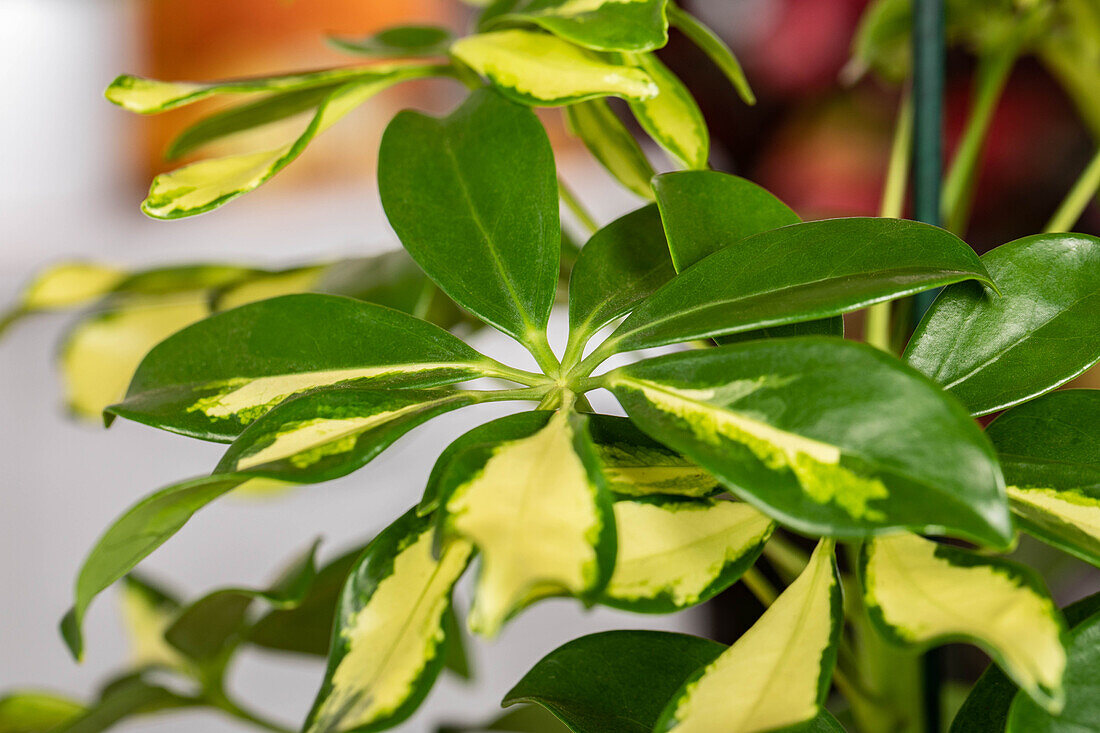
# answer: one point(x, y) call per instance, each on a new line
point(762, 429)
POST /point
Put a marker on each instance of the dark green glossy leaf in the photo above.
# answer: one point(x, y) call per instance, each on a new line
point(501, 430)
point(1050, 454)
point(217, 376)
point(307, 627)
point(141, 529)
point(607, 25)
point(1082, 685)
point(524, 719)
point(986, 707)
point(613, 682)
point(994, 352)
point(328, 433)
point(612, 144)
point(246, 117)
point(797, 273)
point(455, 658)
point(208, 628)
point(388, 638)
point(474, 199)
point(621, 265)
point(706, 211)
point(828, 436)
point(397, 42)
point(35, 712)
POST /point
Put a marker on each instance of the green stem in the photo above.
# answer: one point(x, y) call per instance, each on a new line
point(710, 44)
point(502, 371)
point(528, 393)
point(574, 204)
point(893, 206)
point(539, 347)
point(223, 703)
point(764, 591)
point(1077, 199)
point(958, 187)
point(788, 559)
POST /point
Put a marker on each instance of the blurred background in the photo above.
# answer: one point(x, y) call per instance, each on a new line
point(74, 168)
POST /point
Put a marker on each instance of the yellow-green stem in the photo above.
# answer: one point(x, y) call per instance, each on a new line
point(1077, 199)
point(574, 204)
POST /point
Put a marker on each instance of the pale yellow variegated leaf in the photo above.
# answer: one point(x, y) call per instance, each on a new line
point(70, 284)
point(149, 96)
point(301, 280)
point(102, 352)
point(390, 630)
point(633, 469)
point(1067, 518)
point(920, 592)
point(536, 511)
point(674, 554)
point(611, 143)
point(541, 69)
point(672, 118)
point(206, 185)
point(147, 616)
point(778, 672)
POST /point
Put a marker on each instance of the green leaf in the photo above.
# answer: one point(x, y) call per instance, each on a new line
point(328, 433)
point(147, 611)
point(635, 465)
point(128, 697)
point(615, 681)
point(100, 354)
point(210, 627)
point(1050, 454)
point(306, 628)
point(455, 658)
point(208, 184)
point(797, 273)
point(35, 712)
point(398, 42)
point(149, 96)
point(524, 719)
point(474, 199)
point(986, 708)
point(672, 118)
point(610, 143)
point(141, 529)
point(713, 46)
point(621, 265)
point(246, 117)
point(212, 379)
point(1082, 686)
point(778, 673)
point(388, 639)
point(603, 25)
point(543, 70)
point(673, 554)
point(538, 510)
point(828, 436)
point(823, 723)
point(490, 434)
point(994, 352)
point(707, 211)
point(69, 284)
point(921, 593)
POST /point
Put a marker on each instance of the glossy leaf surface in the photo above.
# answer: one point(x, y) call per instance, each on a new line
point(1050, 453)
point(212, 379)
point(612, 144)
point(141, 529)
point(539, 512)
point(798, 273)
point(615, 681)
point(994, 352)
point(399, 41)
point(635, 465)
point(673, 554)
point(328, 433)
point(672, 118)
point(474, 199)
point(603, 25)
point(208, 184)
point(828, 436)
point(779, 671)
point(1082, 685)
point(388, 638)
point(920, 593)
point(540, 69)
point(621, 265)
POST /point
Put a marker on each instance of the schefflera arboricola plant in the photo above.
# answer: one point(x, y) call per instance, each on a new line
point(764, 421)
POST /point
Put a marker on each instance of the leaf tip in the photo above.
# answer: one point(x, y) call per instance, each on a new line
point(71, 635)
